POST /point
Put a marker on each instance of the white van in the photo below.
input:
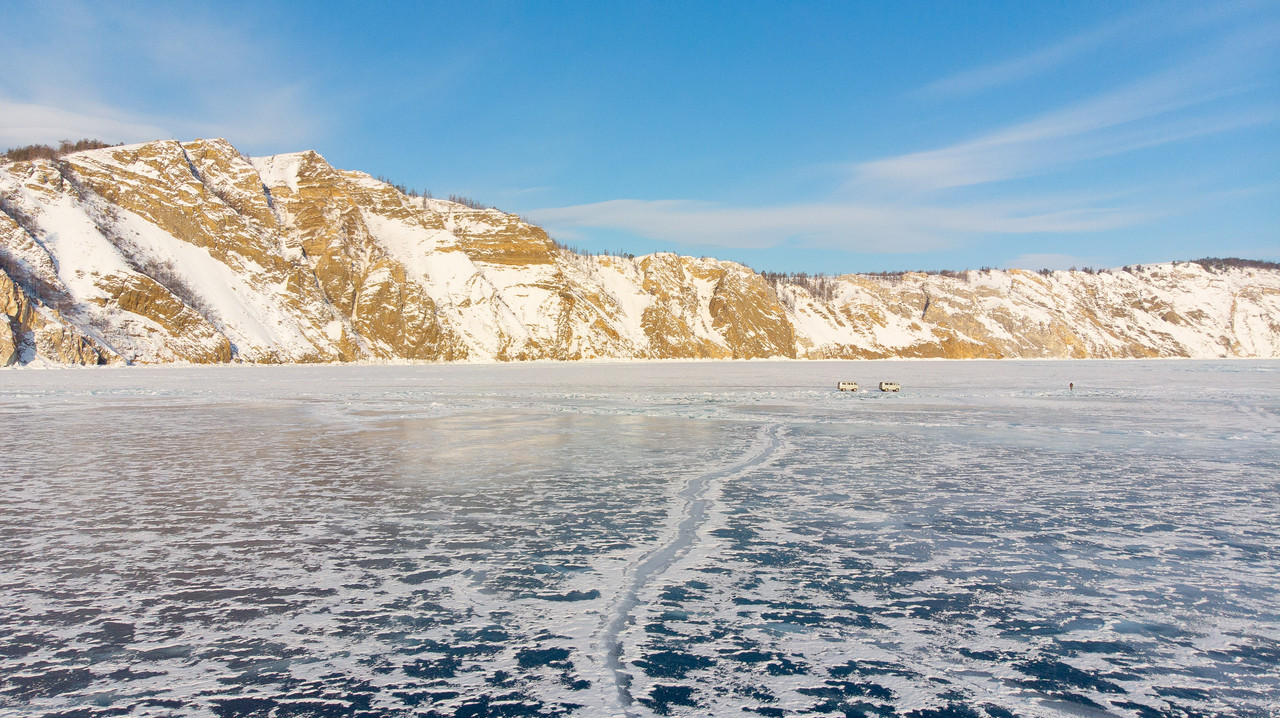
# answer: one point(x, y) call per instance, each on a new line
point(848, 386)
point(890, 386)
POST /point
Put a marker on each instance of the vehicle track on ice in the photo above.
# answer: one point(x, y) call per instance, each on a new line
point(656, 562)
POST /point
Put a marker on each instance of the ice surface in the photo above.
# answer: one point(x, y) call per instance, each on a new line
point(698, 538)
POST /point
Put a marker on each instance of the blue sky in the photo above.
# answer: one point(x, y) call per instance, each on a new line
point(819, 137)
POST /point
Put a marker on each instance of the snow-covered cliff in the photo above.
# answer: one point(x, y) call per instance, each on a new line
point(170, 251)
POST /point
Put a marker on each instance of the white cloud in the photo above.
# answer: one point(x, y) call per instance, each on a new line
point(914, 202)
point(1195, 21)
point(1022, 68)
point(1105, 125)
point(133, 73)
point(846, 226)
point(1177, 104)
point(24, 123)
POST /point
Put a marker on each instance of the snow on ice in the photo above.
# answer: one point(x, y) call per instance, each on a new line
point(643, 538)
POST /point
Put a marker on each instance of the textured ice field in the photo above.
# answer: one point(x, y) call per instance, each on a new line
point(630, 539)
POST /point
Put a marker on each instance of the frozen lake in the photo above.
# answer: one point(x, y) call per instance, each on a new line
point(629, 539)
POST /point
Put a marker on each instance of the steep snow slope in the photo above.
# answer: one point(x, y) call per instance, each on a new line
point(172, 251)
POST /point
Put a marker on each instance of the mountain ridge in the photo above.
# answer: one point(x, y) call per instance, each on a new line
point(173, 251)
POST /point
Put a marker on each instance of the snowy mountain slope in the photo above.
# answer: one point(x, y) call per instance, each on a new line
point(170, 251)
point(1173, 310)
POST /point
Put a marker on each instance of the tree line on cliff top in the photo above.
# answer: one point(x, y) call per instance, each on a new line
point(49, 152)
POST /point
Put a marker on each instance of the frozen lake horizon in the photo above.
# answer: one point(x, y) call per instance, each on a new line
point(640, 538)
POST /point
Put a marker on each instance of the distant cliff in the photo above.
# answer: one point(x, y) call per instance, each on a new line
point(190, 252)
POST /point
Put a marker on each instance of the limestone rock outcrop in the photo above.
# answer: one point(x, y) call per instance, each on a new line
point(191, 252)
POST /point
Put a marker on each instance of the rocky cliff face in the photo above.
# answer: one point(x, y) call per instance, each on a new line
point(168, 251)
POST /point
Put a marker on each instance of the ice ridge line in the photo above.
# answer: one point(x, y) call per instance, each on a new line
point(656, 562)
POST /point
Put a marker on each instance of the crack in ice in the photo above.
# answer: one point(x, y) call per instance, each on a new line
point(657, 561)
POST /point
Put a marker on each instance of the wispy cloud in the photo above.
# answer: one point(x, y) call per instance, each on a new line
point(1141, 115)
point(911, 203)
point(125, 73)
point(934, 198)
point(1027, 66)
point(847, 226)
point(25, 123)
point(1162, 20)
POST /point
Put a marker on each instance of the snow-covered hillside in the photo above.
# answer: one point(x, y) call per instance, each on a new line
point(170, 251)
